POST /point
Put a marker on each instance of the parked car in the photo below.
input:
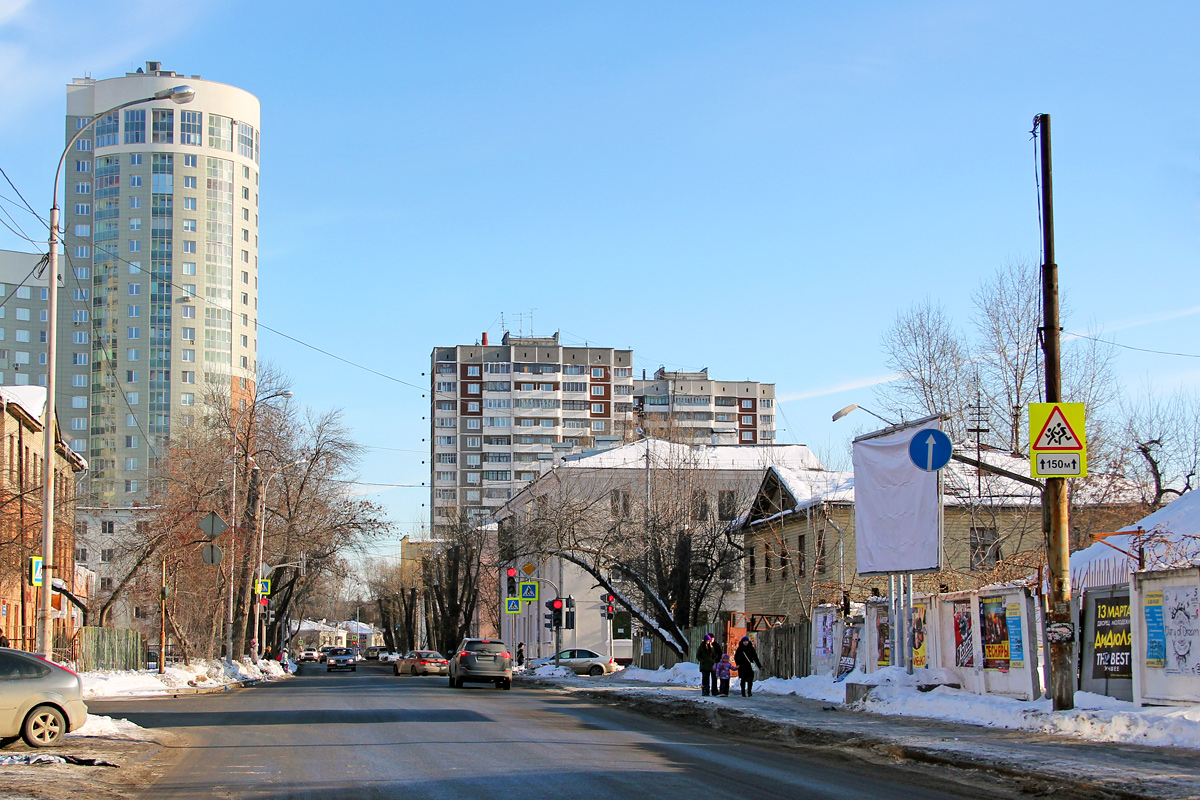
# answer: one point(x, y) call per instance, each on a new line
point(341, 658)
point(39, 700)
point(372, 653)
point(309, 654)
point(579, 661)
point(481, 661)
point(390, 656)
point(421, 662)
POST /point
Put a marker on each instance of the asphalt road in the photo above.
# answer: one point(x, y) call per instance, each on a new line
point(369, 734)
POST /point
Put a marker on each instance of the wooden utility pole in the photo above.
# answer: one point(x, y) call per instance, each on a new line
point(1062, 662)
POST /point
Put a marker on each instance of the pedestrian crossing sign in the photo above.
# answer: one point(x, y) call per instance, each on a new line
point(512, 605)
point(529, 591)
point(1057, 440)
point(264, 587)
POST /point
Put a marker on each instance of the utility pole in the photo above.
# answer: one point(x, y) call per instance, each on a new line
point(1062, 667)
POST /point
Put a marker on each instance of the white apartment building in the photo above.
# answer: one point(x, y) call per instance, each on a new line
point(503, 414)
point(160, 207)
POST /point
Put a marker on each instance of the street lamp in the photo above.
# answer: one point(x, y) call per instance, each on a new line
point(855, 407)
point(176, 94)
point(262, 531)
point(233, 513)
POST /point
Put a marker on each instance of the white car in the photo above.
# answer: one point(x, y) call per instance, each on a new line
point(309, 654)
point(389, 657)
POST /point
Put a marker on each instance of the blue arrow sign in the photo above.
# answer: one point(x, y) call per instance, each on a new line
point(930, 449)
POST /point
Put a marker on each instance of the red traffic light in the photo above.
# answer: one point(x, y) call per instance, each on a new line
point(609, 609)
point(558, 604)
point(512, 572)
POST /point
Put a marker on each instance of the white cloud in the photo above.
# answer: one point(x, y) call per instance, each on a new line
point(858, 383)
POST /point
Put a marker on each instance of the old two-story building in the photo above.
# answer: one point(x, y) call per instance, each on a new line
point(21, 461)
point(800, 544)
point(651, 500)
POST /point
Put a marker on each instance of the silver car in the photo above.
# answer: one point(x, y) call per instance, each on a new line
point(39, 701)
point(580, 661)
point(341, 658)
point(420, 662)
point(481, 661)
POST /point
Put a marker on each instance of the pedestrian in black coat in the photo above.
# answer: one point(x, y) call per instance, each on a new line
point(745, 658)
point(707, 656)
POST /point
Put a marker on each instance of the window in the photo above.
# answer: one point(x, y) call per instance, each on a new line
point(83, 166)
point(597, 391)
point(597, 408)
point(189, 268)
point(245, 299)
point(446, 441)
point(133, 354)
point(132, 397)
point(135, 181)
point(133, 311)
point(619, 503)
point(727, 504)
point(820, 554)
point(446, 458)
point(131, 441)
point(497, 422)
point(106, 554)
point(187, 399)
point(133, 333)
point(131, 464)
point(747, 436)
point(22, 336)
point(81, 294)
point(83, 145)
point(162, 125)
point(79, 423)
point(79, 381)
point(106, 584)
point(189, 225)
point(187, 355)
point(699, 505)
point(83, 209)
point(767, 564)
point(135, 246)
point(597, 426)
point(189, 181)
point(189, 246)
point(751, 567)
point(135, 288)
point(748, 404)
point(473, 388)
point(83, 188)
point(747, 419)
point(473, 424)
point(131, 420)
point(189, 204)
point(135, 126)
point(79, 402)
point(81, 554)
point(132, 375)
point(766, 402)
point(188, 334)
point(985, 548)
point(190, 129)
point(597, 372)
point(472, 407)
point(189, 161)
point(139, 612)
point(574, 387)
point(187, 377)
point(79, 359)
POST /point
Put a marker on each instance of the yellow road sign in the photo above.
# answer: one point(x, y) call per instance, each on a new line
point(529, 568)
point(264, 587)
point(1057, 440)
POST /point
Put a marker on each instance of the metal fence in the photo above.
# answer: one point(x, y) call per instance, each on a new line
point(110, 648)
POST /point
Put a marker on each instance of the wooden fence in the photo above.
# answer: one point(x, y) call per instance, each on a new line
point(110, 648)
point(785, 650)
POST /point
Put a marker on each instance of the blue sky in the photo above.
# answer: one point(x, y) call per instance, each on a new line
point(755, 188)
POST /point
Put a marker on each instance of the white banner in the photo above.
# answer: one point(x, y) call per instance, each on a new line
point(897, 508)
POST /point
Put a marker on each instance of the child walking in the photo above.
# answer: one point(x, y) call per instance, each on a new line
point(723, 670)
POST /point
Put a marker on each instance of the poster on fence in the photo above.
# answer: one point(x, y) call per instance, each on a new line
point(850, 634)
point(825, 628)
point(964, 644)
point(993, 632)
point(1016, 648)
point(1112, 645)
point(920, 659)
point(883, 639)
point(1156, 638)
point(1181, 608)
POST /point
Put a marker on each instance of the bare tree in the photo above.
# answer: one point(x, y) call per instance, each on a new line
point(1162, 437)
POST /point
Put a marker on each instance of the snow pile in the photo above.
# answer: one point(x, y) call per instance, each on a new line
point(551, 671)
point(108, 728)
point(199, 674)
point(814, 687)
point(898, 676)
point(1095, 717)
point(684, 673)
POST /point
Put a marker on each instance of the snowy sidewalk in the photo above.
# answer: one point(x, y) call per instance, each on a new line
point(200, 676)
point(1105, 768)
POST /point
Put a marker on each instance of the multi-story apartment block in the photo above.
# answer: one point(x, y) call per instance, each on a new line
point(161, 268)
point(690, 406)
point(504, 414)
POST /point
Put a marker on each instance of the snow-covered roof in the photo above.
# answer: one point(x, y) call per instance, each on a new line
point(313, 626)
point(1173, 524)
point(357, 627)
point(31, 399)
point(696, 456)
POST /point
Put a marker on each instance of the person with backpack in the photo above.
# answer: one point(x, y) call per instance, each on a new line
point(746, 658)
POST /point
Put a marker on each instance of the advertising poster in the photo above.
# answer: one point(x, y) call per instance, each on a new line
point(850, 635)
point(993, 632)
point(1016, 649)
point(1156, 638)
point(883, 639)
point(1112, 646)
point(825, 626)
point(964, 644)
point(1181, 607)
point(920, 660)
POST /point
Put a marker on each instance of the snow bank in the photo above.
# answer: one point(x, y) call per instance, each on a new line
point(684, 673)
point(814, 687)
point(898, 676)
point(106, 727)
point(1095, 717)
point(200, 674)
point(551, 671)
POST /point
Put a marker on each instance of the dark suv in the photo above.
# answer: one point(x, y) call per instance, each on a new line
point(481, 661)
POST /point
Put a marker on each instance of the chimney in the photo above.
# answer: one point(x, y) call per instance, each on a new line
point(485, 338)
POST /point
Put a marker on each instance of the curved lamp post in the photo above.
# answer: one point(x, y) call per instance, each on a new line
point(176, 94)
point(262, 532)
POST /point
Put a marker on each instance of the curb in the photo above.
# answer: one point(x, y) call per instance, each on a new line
point(1067, 787)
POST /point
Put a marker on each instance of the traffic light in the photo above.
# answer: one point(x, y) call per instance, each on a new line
point(607, 610)
point(556, 612)
point(569, 622)
point(512, 581)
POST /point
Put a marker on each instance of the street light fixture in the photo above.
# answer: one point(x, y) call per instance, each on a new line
point(176, 94)
point(855, 407)
point(233, 513)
